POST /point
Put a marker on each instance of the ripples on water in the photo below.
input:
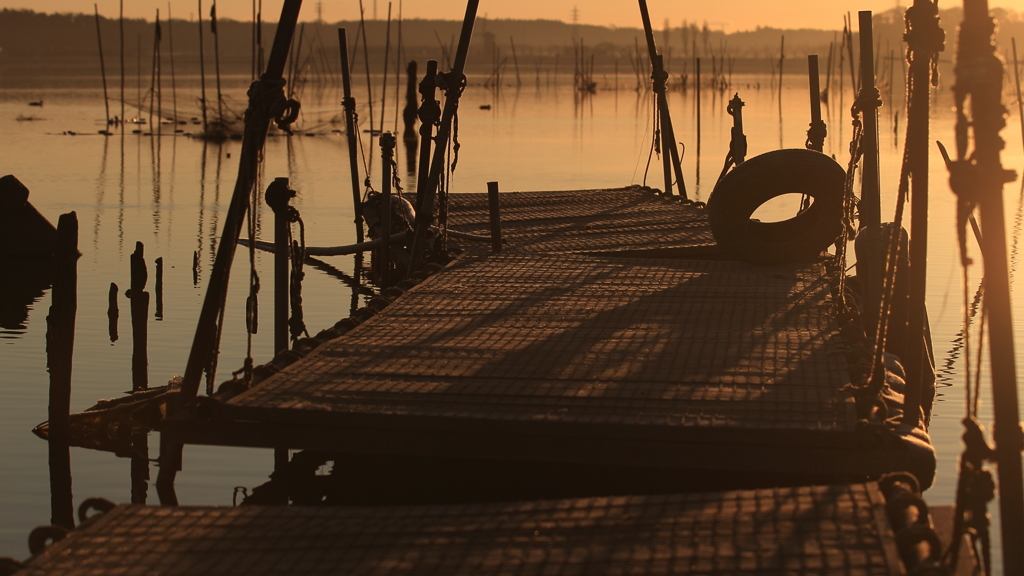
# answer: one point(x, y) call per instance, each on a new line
point(170, 192)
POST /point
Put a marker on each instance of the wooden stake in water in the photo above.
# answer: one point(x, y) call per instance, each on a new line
point(278, 197)
point(140, 315)
point(870, 202)
point(103, 69)
point(216, 60)
point(387, 152)
point(60, 347)
point(384, 89)
point(112, 312)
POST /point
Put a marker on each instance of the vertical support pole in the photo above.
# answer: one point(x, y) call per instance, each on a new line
point(159, 313)
point(870, 202)
point(816, 133)
point(453, 93)
point(255, 134)
point(870, 196)
point(60, 347)
point(112, 312)
point(103, 70)
point(697, 88)
point(140, 316)
point(1016, 81)
point(350, 131)
point(387, 154)
point(669, 149)
point(980, 75)
point(429, 113)
point(922, 22)
point(278, 196)
point(495, 210)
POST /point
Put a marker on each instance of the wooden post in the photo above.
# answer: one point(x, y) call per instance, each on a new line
point(159, 288)
point(278, 196)
point(425, 216)
point(103, 69)
point(387, 155)
point(816, 133)
point(870, 200)
point(495, 210)
point(429, 113)
point(870, 203)
point(60, 347)
point(112, 312)
point(922, 20)
point(140, 314)
point(350, 131)
point(986, 176)
point(409, 112)
point(256, 126)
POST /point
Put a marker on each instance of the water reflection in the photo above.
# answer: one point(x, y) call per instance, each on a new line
point(22, 284)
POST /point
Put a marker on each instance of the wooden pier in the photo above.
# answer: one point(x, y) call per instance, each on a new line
point(569, 365)
point(842, 530)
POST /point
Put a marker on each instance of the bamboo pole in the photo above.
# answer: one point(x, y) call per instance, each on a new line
point(103, 69)
point(384, 89)
point(349, 104)
point(451, 104)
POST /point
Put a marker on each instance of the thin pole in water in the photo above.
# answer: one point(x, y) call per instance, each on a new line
point(349, 103)
point(202, 69)
point(121, 26)
point(1016, 79)
point(174, 82)
point(103, 68)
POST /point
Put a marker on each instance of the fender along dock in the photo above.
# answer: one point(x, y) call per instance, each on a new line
point(570, 365)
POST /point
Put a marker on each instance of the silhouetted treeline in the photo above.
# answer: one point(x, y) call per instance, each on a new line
point(32, 43)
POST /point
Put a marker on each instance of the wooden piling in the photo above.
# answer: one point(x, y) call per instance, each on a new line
point(174, 81)
point(60, 346)
point(384, 89)
point(159, 288)
point(495, 214)
point(870, 202)
point(816, 133)
point(140, 315)
point(387, 154)
point(103, 68)
point(277, 197)
point(922, 23)
point(112, 312)
point(409, 113)
point(216, 60)
point(121, 26)
point(429, 113)
point(195, 267)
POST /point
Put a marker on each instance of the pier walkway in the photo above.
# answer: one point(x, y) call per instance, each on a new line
point(579, 368)
point(840, 530)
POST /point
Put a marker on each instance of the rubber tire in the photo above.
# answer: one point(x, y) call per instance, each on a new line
point(758, 180)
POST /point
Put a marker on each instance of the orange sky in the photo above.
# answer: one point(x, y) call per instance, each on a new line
point(731, 15)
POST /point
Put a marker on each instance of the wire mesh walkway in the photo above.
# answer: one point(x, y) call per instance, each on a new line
point(838, 530)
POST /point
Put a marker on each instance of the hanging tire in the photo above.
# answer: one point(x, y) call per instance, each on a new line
point(758, 180)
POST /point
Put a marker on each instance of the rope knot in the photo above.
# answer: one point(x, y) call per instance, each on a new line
point(924, 35)
point(660, 80)
point(348, 103)
point(816, 133)
point(430, 112)
point(453, 84)
point(867, 99)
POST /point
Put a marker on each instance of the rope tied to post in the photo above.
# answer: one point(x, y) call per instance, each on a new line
point(660, 79)
point(738, 141)
point(924, 35)
point(816, 133)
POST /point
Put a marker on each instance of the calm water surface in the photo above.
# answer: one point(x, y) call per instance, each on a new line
point(171, 193)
